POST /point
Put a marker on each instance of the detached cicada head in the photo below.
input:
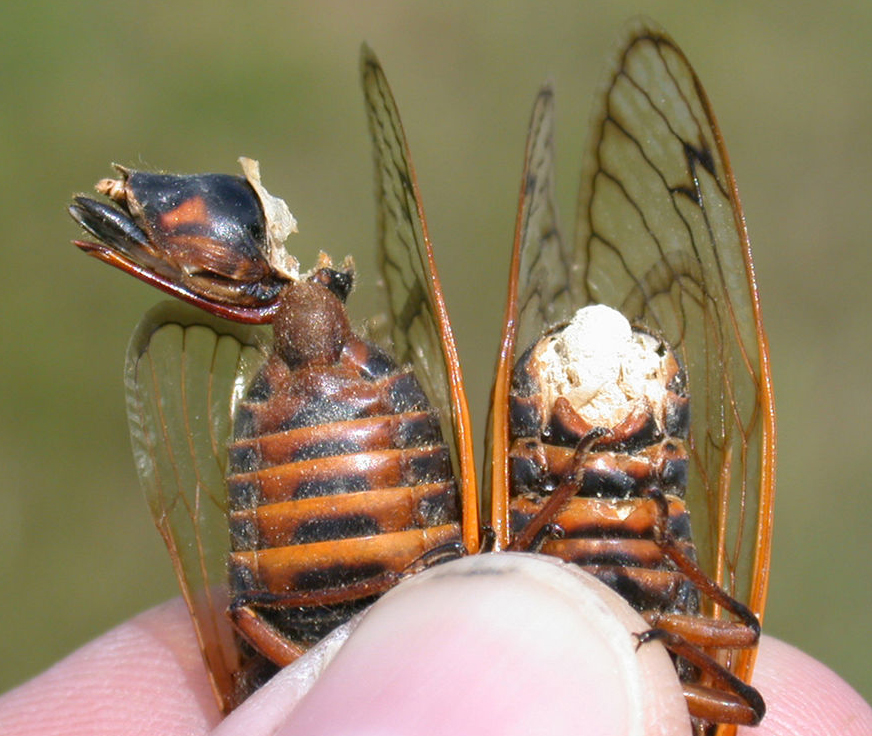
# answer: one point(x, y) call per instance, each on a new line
point(214, 240)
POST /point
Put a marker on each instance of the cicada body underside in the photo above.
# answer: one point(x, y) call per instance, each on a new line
point(612, 459)
point(598, 478)
point(339, 482)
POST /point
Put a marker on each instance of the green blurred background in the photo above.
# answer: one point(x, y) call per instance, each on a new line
point(188, 86)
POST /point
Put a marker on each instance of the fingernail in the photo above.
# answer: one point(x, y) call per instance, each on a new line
point(495, 644)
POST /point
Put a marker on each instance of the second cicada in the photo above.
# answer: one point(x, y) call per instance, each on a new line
point(633, 426)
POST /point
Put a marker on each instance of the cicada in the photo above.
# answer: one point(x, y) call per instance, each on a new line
point(632, 421)
point(331, 465)
point(632, 401)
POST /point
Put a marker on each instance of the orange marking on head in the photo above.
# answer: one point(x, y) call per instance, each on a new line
point(191, 211)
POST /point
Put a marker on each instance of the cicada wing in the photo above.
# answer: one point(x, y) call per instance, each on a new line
point(420, 331)
point(185, 373)
point(660, 236)
point(539, 294)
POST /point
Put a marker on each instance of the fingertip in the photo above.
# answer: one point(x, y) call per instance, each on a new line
point(147, 670)
point(804, 696)
point(495, 644)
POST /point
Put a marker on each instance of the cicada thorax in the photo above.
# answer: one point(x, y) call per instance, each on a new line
point(339, 480)
point(613, 456)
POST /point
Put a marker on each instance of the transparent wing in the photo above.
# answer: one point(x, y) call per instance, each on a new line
point(547, 290)
point(420, 331)
point(660, 235)
point(185, 373)
point(540, 293)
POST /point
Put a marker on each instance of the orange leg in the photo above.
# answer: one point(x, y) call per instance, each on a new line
point(730, 701)
point(278, 648)
point(541, 526)
point(704, 631)
point(265, 639)
point(693, 571)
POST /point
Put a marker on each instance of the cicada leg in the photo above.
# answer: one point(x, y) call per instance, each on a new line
point(443, 553)
point(278, 648)
point(708, 587)
point(271, 643)
point(488, 539)
point(265, 638)
point(729, 699)
point(542, 527)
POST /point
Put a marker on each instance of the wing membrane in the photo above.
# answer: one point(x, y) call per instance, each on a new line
point(185, 374)
point(660, 235)
point(420, 331)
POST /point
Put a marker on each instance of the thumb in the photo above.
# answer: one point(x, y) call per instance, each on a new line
point(490, 644)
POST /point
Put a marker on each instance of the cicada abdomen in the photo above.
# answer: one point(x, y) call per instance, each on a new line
point(328, 469)
point(600, 411)
point(599, 420)
point(632, 424)
point(339, 482)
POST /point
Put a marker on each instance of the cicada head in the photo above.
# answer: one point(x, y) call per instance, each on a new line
point(214, 240)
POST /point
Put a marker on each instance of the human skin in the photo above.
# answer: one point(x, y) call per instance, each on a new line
point(496, 644)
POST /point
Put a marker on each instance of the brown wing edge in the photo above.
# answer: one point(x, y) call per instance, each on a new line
point(499, 429)
point(763, 550)
point(745, 660)
point(462, 423)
